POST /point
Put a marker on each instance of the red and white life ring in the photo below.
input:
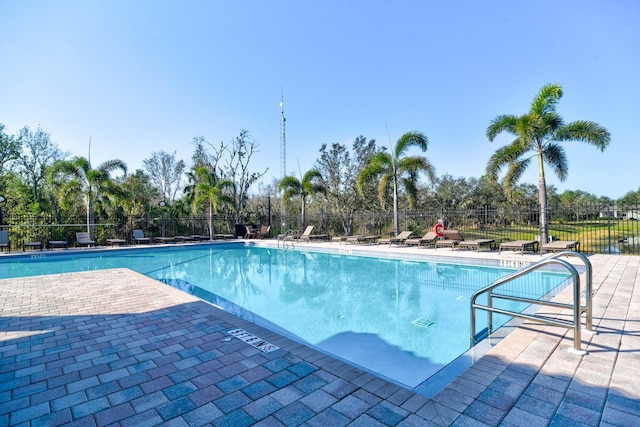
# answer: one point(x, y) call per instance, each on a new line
point(439, 229)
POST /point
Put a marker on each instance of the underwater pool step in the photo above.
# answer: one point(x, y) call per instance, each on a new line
point(422, 322)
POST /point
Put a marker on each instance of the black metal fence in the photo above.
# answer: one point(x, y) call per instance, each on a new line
point(598, 228)
point(45, 228)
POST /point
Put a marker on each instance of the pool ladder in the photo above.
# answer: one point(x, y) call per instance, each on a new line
point(578, 309)
point(290, 236)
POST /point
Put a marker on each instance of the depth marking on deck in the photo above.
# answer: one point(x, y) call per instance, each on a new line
point(514, 263)
point(252, 340)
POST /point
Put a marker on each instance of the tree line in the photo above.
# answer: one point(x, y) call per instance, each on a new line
point(37, 177)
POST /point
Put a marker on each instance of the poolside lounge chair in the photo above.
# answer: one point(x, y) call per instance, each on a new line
point(257, 233)
point(138, 237)
point(325, 237)
point(162, 239)
point(398, 240)
point(561, 245)
point(295, 236)
point(113, 242)
point(36, 244)
point(4, 240)
point(373, 238)
point(310, 236)
point(53, 244)
point(221, 236)
point(263, 233)
point(201, 237)
point(84, 239)
point(519, 245)
point(306, 235)
point(250, 232)
point(451, 239)
point(185, 239)
point(429, 239)
point(477, 244)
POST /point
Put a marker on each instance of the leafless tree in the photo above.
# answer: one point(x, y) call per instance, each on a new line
point(230, 161)
point(165, 173)
point(38, 153)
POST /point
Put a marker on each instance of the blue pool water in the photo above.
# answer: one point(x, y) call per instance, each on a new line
point(396, 317)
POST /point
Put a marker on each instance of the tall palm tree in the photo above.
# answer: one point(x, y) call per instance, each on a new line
point(395, 168)
point(309, 186)
point(537, 136)
point(93, 181)
point(216, 192)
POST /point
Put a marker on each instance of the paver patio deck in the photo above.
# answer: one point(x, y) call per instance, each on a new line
point(114, 347)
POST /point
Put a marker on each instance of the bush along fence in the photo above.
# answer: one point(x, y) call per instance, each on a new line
point(601, 229)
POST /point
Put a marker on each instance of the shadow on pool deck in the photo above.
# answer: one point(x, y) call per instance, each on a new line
point(113, 346)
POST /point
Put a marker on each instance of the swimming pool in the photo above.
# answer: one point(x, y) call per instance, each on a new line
point(404, 319)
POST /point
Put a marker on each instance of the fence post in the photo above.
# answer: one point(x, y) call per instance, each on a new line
point(608, 230)
point(486, 221)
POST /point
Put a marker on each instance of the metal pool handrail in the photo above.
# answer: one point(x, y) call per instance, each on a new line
point(577, 308)
point(588, 286)
point(289, 233)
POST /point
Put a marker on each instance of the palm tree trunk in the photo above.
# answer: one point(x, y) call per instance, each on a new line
point(90, 214)
point(210, 219)
point(396, 220)
point(544, 231)
point(542, 197)
point(304, 216)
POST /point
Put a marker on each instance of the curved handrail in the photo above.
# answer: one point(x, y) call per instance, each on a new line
point(289, 235)
point(577, 308)
point(588, 286)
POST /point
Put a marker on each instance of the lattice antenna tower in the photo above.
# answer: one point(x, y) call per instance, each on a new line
point(283, 158)
point(283, 141)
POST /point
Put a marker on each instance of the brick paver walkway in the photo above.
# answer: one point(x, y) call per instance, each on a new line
point(113, 347)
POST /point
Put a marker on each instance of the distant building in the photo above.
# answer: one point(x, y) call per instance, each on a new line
point(625, 212)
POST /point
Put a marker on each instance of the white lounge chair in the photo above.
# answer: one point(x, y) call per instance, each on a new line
point(451, 239)
point(264, 232)
point(305, 236)
point(398, 240)
point(478, 244)
point(372, 238)
point(519, 245)
point(429, 239)
point(561, 245)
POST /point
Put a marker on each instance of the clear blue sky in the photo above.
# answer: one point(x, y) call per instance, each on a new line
point(143, 76)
